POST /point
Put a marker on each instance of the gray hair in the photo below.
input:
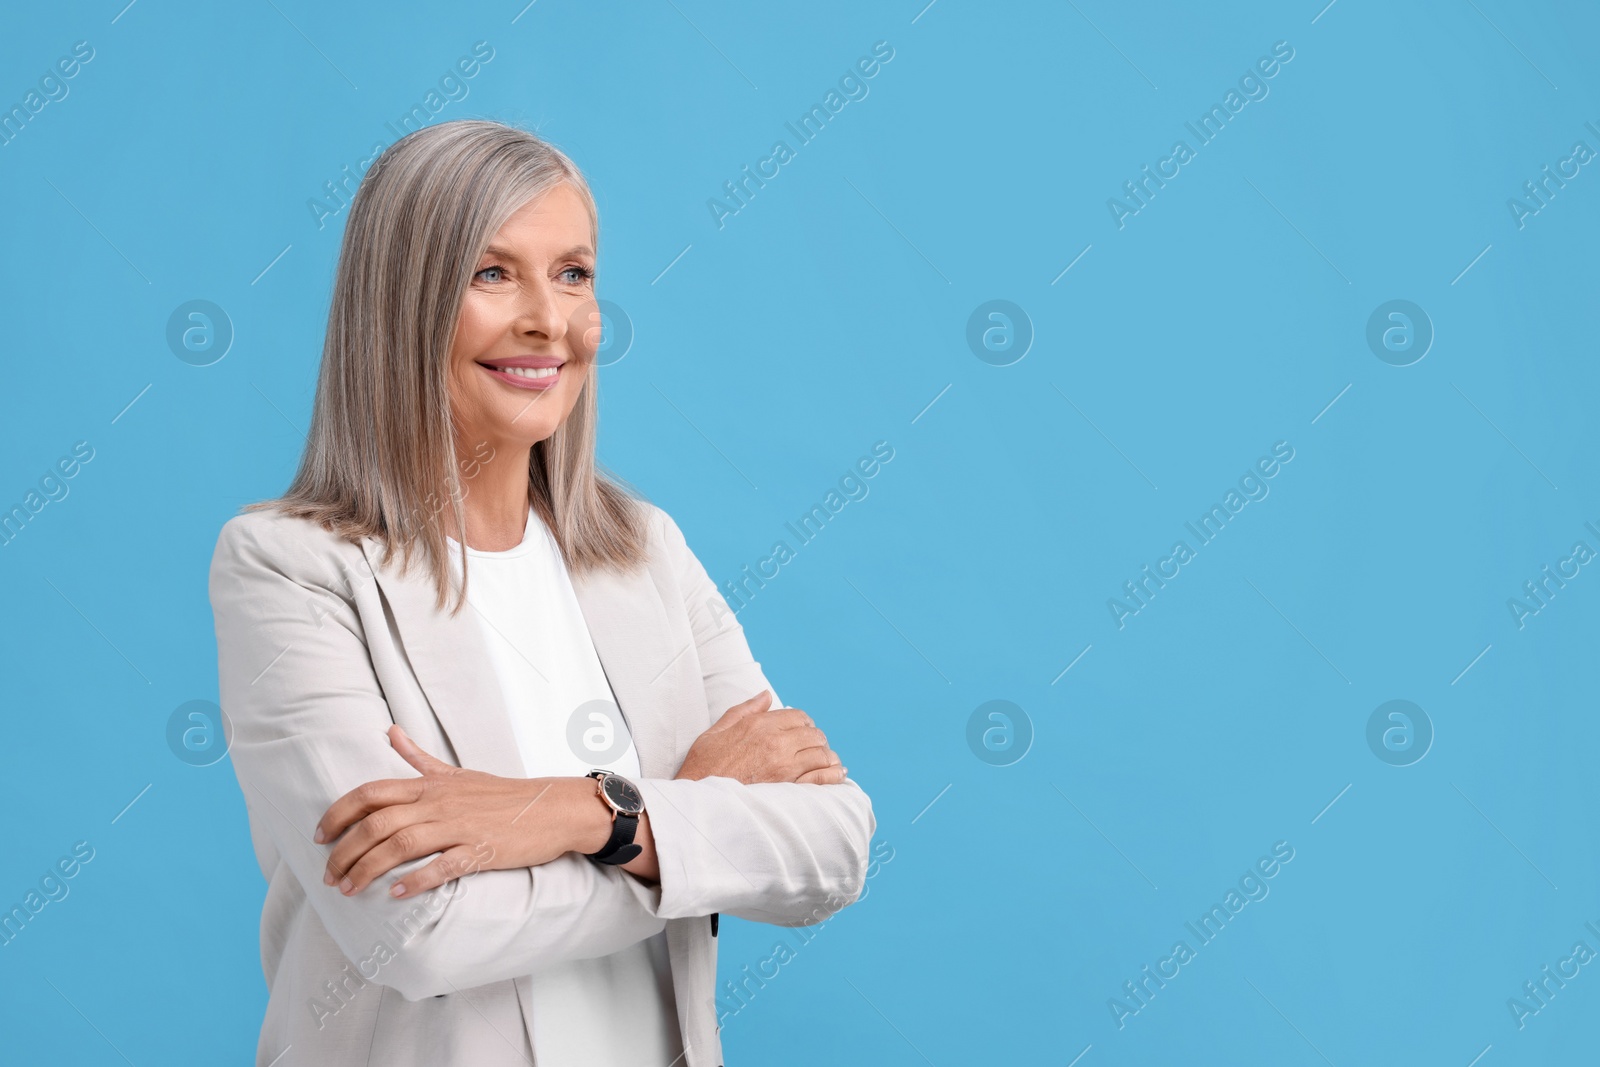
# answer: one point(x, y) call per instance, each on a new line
point(380, 459)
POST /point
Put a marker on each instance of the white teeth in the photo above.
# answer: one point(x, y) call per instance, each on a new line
point(530, 372)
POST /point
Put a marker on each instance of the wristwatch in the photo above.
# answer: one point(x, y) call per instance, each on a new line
point(626, 804)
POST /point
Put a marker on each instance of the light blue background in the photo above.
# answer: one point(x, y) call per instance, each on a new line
point(827, 315)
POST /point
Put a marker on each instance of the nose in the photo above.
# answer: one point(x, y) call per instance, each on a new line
point(541, 314)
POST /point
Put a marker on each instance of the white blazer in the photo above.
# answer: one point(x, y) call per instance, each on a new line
point(319, 650)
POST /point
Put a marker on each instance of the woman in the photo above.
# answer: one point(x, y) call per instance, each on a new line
point(493, 723)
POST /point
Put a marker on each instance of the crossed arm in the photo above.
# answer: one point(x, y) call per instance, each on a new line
point(311, 726)
point(476, 821)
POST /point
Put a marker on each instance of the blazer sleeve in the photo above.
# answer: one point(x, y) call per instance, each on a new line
point(309, 723)
point(786, 853)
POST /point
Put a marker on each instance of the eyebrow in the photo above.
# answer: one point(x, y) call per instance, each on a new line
point(506, 253)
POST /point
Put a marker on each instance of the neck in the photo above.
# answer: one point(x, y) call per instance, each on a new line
point(495, 496)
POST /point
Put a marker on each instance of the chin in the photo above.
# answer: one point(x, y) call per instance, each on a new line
point(529, 432)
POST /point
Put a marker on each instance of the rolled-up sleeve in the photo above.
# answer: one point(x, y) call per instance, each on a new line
point(781, 852)
point(309, 723)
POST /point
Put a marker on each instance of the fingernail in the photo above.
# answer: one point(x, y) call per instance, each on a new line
point(327, 877)
point(319, 837)
point(398, 889)
point(346, 885)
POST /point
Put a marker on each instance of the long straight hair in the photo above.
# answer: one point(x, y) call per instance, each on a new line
point(380, 460)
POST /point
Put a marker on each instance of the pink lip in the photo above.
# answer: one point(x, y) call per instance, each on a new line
point(519, 382)
point(523, 361)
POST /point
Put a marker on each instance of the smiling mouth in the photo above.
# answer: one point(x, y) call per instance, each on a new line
point(525, 377)
point(527, 372)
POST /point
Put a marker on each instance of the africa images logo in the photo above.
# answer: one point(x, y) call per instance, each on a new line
point(1252, 87)
point(1137, 993)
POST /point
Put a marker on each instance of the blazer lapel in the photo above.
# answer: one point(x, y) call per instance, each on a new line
point(452, 664)
point(627, 625)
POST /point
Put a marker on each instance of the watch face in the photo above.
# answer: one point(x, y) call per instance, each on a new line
point(623, 794)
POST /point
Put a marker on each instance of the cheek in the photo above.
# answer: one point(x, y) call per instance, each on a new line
point(573, 388)
point(474, 331)
point(584, 331)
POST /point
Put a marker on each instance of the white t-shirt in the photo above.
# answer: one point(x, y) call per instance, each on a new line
point(616, 1009)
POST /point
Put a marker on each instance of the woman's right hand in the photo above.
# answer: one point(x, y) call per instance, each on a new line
point(751, 744)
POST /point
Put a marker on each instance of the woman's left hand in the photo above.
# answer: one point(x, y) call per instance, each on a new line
point(477, 821)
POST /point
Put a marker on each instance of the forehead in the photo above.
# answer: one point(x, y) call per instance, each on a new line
point(553, 224)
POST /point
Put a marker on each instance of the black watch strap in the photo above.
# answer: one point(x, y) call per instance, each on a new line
point(620, 848)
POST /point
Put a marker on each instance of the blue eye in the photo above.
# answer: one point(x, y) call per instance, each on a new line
point(486, 270)
point(584, 274)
